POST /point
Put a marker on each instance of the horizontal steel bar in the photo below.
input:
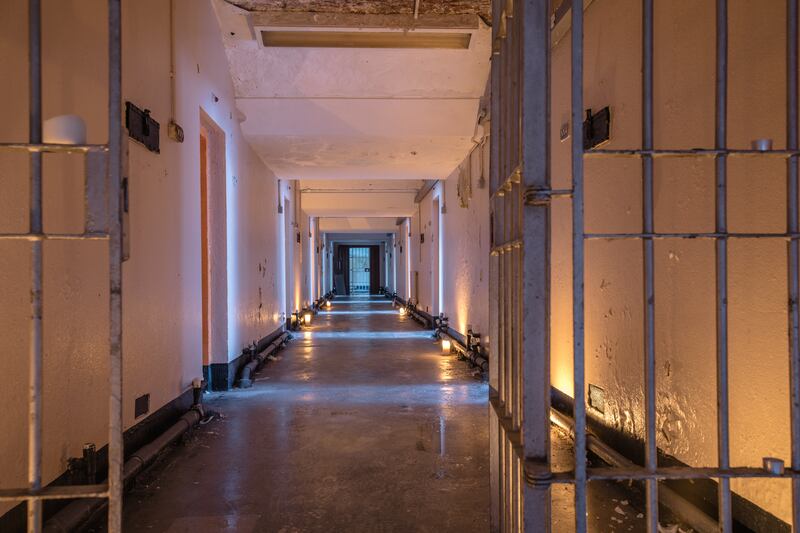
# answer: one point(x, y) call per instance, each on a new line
point(506, 246)
point(505, 186)
point(532, 196)
point(691, 152)
point(53, 236)
point(54, 148)
point(505, 420)
point(678, 472)
point(63, 492)
point(712, 235)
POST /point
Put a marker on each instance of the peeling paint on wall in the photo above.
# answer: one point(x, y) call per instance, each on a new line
point(684, 201)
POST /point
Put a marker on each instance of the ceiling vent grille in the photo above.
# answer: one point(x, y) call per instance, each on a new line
point(364, 39)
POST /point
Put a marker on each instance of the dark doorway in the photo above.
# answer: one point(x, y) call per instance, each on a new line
point(356, 269)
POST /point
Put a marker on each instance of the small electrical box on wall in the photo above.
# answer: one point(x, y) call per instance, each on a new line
point(174, 131)
point(597, 398)
point(142, 127)
point(141, 405)
point(421, 238)
point(596, 128)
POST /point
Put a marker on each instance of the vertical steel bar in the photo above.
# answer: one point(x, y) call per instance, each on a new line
point(516, 254)
point(721, 217)
point(494, 472)
point(508, 355)
point(500, 229)
point(510, 499)
point(533, 256)
point(37, 274)
point(495, 367)
point(503, 323)
point(507, 121)
point(500, 214)
point(578, 267)
point(792, 226)
point(509, 211)
point(512, 47)
point(651, 454)
point(115, 445)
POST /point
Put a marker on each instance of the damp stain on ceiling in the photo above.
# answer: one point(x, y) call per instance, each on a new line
point(482, 8)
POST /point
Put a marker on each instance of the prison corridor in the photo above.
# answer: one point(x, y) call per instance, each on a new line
point(360, 424)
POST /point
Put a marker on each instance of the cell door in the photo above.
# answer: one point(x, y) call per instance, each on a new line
point(359, 269)
point(105, 192)
point(533, 217)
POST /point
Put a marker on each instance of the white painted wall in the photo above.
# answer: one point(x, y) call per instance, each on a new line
point(345, 203)
point(420, 255)
point(296, 249)
point(401, 259)
point(161, 309)
point(684, 200)
point(289, 249)
point(465, 250)
point(465, 244)
point(319, 254)
point(358, 225)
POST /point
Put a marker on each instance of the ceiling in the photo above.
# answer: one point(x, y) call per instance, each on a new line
point(357, 225)
point(357, 113)
point(357, 198)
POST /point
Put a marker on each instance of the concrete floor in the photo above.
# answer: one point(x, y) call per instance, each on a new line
point(612, 506)
point(360, 425)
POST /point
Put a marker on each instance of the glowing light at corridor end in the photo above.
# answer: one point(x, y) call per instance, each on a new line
point(307, 318)
point(446, 346)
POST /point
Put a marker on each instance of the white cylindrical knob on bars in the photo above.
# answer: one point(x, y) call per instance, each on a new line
point(762, 145)
point(64, 129)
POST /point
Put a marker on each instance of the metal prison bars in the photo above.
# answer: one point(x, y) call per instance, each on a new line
point(519, 279)
point(102, 221)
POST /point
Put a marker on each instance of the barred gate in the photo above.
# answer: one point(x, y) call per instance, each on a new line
point(521, 473)
point(359, 269)
point(102, 193)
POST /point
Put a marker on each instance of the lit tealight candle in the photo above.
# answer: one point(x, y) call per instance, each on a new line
point(328, 303)
point(402, 311)
point(307, 318)
point(445, 346)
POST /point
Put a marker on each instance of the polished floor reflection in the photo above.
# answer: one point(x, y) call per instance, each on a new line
point(360, 425)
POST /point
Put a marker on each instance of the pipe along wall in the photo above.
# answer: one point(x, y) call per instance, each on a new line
point(469, 348)
point(81, 512)
point(264, 351)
